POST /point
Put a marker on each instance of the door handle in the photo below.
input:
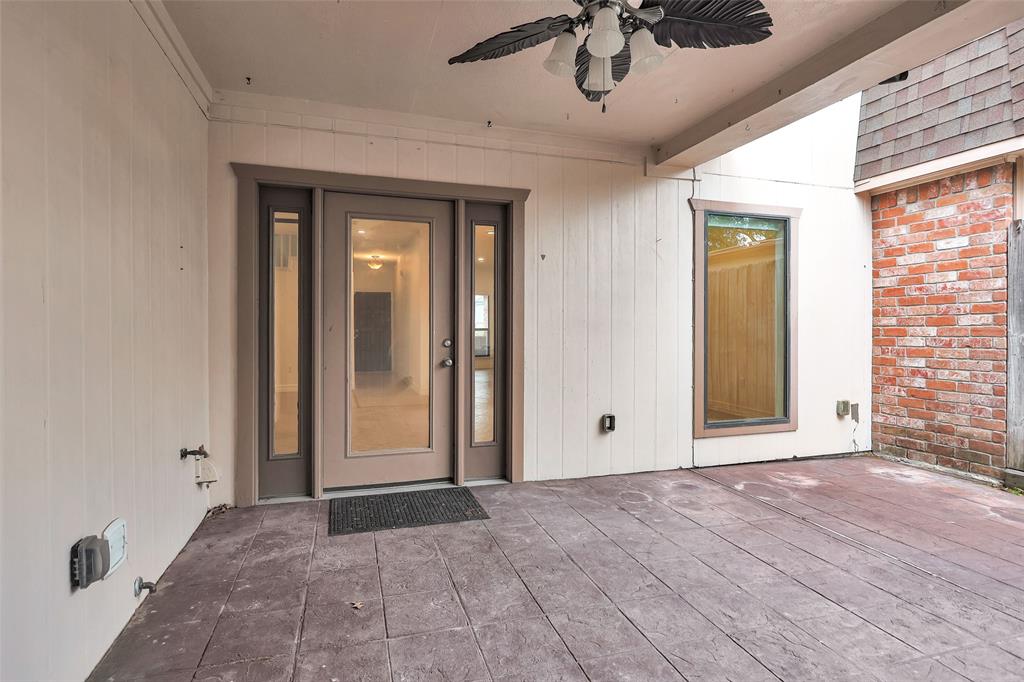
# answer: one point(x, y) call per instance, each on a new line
point(447, 362)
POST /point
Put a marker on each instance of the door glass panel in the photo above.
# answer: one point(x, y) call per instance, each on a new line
point(484, 316)
point(285, 284)
point(746, 319)
point(390, 363)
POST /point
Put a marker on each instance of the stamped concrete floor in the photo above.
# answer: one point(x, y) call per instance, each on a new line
point(846, 569)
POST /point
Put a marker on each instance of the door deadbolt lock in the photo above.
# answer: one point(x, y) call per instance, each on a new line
point(447, 362)
point(447, 343)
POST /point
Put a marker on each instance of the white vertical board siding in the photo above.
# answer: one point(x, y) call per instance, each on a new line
point(3, 374)
point(668, 341)
point(547, 340)
point(575, 316)
point(523, 172)
point(599, 316)
point(105, 326)
point(645, 327)
point(623, 306)
point(602, 248)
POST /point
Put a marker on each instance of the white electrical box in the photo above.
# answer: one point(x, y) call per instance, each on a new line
point(116, 536)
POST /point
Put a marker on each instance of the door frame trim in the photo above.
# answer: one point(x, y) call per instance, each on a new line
point(249, 179)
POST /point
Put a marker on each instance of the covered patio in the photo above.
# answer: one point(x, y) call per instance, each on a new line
point(598, 260)
point(832, 569)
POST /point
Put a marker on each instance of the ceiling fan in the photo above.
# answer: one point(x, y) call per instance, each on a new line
point(624, 37)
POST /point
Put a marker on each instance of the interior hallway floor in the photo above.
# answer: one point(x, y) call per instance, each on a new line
point(835, 569)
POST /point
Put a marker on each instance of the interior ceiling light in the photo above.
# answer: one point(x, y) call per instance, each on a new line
point(623, 38)
point(375, 263)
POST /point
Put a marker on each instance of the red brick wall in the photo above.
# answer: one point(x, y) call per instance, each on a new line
point(939, 320)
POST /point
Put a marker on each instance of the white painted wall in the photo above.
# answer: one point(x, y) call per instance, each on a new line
point(809, 165)
point(609, 302)
point(104, 309)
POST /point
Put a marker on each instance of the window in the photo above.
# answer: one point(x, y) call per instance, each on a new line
point(481, 327)
point(745, 323)
point(484, 319)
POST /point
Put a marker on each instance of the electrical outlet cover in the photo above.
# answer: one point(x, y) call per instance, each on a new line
point(116, 535)
point(206, 472)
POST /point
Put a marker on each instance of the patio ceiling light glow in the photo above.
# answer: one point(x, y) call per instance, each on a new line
point(623, 37)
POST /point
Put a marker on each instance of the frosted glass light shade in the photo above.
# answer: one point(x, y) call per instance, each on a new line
point(646, 55)
point(562, 60)
point(606, 37)
point(599, 75)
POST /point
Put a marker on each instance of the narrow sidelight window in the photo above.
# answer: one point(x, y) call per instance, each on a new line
point(745, 357)
point(484, 279)
point(285, 370)
point(484, 310)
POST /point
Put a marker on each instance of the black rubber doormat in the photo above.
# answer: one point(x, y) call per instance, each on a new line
point(367, 513)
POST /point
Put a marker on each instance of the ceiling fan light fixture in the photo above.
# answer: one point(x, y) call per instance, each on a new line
point(562, 60)
point(606, 37)
point(608, 25)
point(646, 55)
point(599, 75)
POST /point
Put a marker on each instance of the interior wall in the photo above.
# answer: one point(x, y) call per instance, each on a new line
point(411, 341)
point(286, 314)
point(809, 165)
point(483, 285)
point(380, 281)
point(104, 342)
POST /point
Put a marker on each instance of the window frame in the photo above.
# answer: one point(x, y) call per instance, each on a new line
point(701, 209)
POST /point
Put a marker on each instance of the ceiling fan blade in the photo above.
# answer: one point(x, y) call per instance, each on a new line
point(516, 39)
point(710, 23)
point(649, 15)
point(620, 69)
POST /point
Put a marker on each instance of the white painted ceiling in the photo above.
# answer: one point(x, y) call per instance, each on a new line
point(389, 239)
point(393, 55)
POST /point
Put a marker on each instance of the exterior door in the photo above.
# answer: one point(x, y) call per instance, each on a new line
point(285, 250)
point(389, 342)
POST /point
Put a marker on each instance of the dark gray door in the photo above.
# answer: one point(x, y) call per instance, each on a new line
point(372, 333)
point(286, 243)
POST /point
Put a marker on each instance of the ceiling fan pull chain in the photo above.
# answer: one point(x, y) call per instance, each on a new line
point(604, 106)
